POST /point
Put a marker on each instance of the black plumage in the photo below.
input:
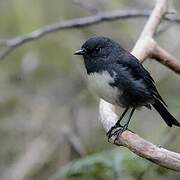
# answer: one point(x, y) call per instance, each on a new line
point(129, 84)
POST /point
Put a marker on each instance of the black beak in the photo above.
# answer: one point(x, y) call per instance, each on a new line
point(80, 52)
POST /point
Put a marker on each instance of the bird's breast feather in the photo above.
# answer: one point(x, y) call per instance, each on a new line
point(99, 83)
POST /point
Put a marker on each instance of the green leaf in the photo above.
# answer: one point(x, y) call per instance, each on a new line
point(113, 164)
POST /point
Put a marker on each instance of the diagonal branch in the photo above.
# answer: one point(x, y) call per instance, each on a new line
point(12, 44)
point(145, 47)
point(162, 56)
point(155, 19)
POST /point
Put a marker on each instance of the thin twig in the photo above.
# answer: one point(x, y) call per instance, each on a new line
point(74, 141)
point(167, 59)
point(100, 17)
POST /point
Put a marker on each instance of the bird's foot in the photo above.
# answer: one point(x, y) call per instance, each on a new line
point(116, 131)
point(119, 131)
point(113, 130)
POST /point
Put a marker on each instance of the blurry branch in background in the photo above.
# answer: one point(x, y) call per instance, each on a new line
point(37, 153)
point(41, 149)
point(146, 47)
point(74, 141)
point(9, 45)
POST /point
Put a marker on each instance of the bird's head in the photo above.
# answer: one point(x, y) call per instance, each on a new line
point(98, 49)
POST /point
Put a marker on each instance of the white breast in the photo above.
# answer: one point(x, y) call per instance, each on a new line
point(99, 84)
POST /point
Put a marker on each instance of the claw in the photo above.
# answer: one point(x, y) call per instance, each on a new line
point(115, 128)
point(118, 130)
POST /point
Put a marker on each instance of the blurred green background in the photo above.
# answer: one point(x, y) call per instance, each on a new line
point(49, 125)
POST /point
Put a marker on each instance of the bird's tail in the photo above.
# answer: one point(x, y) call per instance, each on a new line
point(168, 118)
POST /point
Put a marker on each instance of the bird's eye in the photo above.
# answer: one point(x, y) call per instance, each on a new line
point(98, 49)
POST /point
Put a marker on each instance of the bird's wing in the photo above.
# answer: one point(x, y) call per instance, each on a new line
point(137, 71)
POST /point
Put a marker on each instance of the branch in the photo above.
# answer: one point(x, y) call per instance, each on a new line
point(155, 19)
point(74, 141)
point(145, 47)
point(167, 59)
point(10, 45)
point(150, 151)
point(37, 153)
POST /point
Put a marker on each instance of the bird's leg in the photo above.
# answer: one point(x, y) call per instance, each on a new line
point(109, 133)
point(125, 127)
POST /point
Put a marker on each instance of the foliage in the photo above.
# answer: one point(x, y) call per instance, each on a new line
point(113, 164)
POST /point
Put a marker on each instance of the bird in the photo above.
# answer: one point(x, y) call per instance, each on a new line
point(119, 78)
